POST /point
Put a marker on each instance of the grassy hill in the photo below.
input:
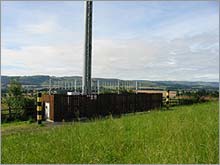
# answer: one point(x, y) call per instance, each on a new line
point(185, 134)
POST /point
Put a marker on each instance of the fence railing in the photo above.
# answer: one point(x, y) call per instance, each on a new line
point(179, 101)
point(22, 113)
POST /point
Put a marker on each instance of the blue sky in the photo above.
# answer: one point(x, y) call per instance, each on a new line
point(152, 40)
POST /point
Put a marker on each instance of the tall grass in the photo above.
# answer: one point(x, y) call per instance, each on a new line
point(185, 134)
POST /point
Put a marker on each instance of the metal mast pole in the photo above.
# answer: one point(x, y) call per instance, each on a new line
point(88, 49)
point(98, 86)
point(136, 84)
point(49, 86)
point(118, 86)
point(75, 85)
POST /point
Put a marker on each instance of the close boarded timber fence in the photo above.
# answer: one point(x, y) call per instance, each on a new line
point(69, 107)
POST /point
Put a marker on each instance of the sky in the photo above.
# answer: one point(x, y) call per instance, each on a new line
point(148, 40)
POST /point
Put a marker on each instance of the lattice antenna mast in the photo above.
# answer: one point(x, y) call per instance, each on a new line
point(86, 89)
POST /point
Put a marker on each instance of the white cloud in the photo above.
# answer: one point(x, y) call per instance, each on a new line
point(127, 59)
point(110, 57)
point(40, 28)
point(52, 60)
point(185, 47)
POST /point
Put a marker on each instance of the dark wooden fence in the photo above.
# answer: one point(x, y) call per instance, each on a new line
point(23, 113)
point(72, 107)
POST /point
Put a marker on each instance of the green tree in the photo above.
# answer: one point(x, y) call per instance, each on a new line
point(14, 98)
point(23, 106)
point(15, 89)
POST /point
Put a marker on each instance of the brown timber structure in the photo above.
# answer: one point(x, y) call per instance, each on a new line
point(68, 108)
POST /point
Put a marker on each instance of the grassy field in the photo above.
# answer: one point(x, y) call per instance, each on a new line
point(185, 134)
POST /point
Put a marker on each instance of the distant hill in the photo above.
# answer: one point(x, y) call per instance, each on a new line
point(44, 80)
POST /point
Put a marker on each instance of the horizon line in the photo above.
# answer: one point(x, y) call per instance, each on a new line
point(216, 81)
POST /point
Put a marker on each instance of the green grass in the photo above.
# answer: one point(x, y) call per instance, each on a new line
point(185, 134)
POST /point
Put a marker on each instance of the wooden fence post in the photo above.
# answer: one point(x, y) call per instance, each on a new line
point(39, 108)
point(9, 110)
point(167, 98)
